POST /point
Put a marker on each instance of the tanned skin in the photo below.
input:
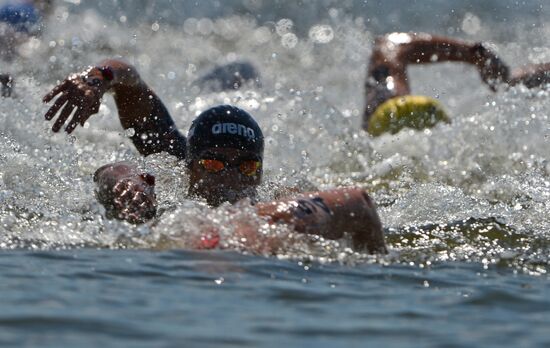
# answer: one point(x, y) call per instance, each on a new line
point(127, 193)
point(393, 53)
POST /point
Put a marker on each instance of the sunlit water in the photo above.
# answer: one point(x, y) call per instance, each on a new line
point(464, 205)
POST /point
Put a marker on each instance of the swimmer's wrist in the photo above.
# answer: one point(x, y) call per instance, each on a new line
point(98, 76)
point(108, 77)
point(118, 73)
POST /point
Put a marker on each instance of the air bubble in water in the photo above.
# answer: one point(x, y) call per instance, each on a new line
point(262, 35)
point(321, 34)
point(284, 26)
point(471, 24)
point(289, 40)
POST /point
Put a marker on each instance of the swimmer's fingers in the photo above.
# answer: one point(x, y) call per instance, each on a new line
point(140, 208)
point(56, 106)
point(120, 186)
point(56, 90)
point(80, 116)
point(143, 207)
point(85, 116)
point(125, 194)
point(140, 201)
point(123, 191)
point(63, 116)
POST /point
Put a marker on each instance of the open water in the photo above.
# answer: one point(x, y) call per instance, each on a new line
point(464, 206)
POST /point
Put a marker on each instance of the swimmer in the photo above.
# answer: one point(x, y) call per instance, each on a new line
point(389, 105)
point(223, 152)
point(230, 76)
point(19, 20)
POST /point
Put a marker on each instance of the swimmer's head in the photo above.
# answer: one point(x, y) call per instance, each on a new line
point(22, 17)
point(225, 155)
point(416, 112)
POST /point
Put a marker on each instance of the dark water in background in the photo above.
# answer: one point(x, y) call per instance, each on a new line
point(89, 298)
point(465, 205)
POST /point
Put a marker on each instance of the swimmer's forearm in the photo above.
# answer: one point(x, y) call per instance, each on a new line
point(140, 109)
point(424, 48)
point(330, 214)
point(136, 102)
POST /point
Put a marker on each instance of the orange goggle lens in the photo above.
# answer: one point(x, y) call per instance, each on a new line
point(248, 167)
point(211, 165)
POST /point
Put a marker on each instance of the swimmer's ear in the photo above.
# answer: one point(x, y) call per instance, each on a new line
point(148, 178)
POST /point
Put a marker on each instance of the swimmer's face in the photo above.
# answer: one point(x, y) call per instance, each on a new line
point(224, 175)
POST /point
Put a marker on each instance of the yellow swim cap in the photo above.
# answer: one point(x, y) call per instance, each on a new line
point(412, 111)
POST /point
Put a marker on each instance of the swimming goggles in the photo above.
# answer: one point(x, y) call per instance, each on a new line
point(246, 167)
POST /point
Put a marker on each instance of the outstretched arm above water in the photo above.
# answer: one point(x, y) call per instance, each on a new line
point(138, 106)
point(392, 53)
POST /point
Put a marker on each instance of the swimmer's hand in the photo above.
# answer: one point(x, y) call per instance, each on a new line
point(125, 194)
point(82, 92)
point(7, 85)
point(134, 199)
point(492, 69)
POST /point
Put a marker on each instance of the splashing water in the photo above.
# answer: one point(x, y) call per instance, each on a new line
point(475, 190)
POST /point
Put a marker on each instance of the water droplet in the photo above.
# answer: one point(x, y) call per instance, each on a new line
point(471, 24)
point(284, 26)
point(321, 34)
point(289, 40)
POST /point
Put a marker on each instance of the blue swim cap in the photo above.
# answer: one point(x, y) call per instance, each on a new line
point(21, 17)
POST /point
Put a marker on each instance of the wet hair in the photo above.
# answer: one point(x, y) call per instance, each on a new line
point(224, 126)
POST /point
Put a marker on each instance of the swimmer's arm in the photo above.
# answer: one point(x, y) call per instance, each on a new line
point(140, 109)
point(531, 75)
point(329, 214)
point(138, 106)
point(394, 52)
point(126, 192)
point(425, 48)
